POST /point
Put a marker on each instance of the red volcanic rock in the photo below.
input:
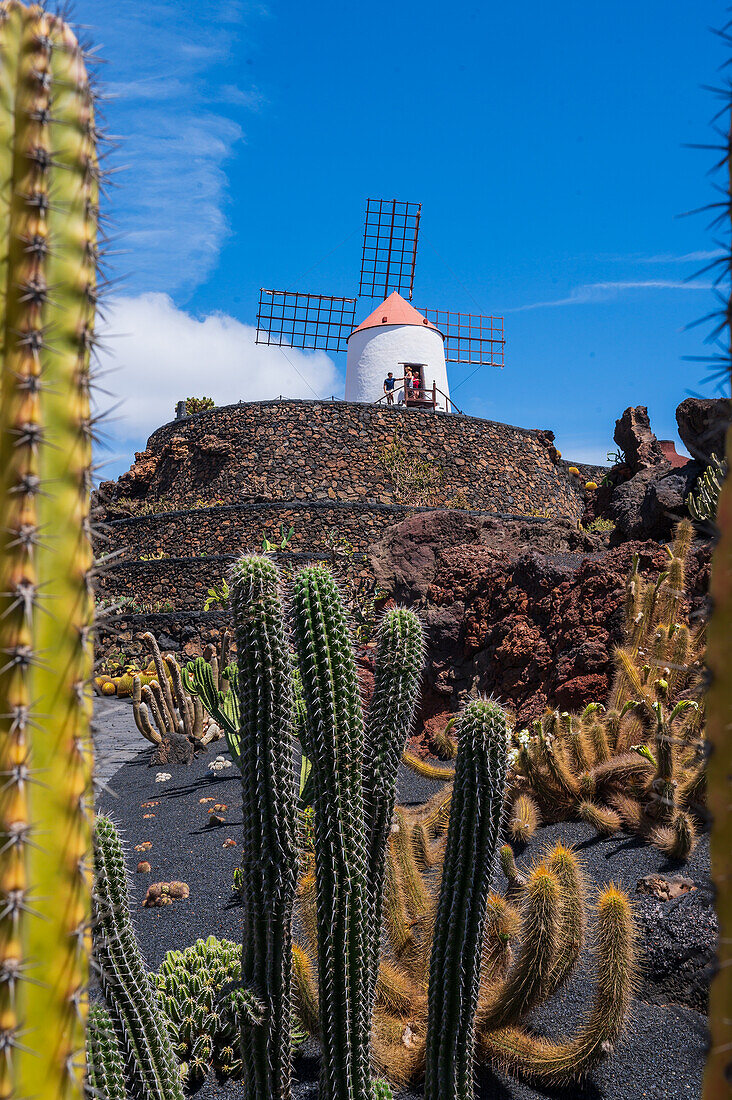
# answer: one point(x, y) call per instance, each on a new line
point(527, 611)
point(639, 445)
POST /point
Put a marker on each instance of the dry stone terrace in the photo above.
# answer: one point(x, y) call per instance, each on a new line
point(211, 485)
point(321, 450)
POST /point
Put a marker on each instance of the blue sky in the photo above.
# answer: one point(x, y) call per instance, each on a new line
point(545, 142)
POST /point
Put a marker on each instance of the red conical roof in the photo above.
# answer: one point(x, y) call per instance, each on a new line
point(395, 311)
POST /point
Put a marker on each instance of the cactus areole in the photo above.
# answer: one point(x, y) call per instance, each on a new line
point(48, 288)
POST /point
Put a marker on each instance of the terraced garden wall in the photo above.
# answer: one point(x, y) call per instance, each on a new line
point(212, 485)
point(321, 450)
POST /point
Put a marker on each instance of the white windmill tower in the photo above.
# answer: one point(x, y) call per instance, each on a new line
point(395, 338)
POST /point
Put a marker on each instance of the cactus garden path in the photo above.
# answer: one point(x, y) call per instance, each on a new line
point(660, 1058)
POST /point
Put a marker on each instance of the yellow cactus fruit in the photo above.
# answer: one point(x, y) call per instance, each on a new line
point(591, 485)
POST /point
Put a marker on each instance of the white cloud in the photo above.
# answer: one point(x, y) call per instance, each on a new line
point(174, 116)
point(591, 293)
point(671, 258)
point(159, 354)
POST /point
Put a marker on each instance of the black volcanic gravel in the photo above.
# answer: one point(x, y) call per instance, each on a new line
point(661, 1057)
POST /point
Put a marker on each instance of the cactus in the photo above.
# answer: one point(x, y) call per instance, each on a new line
point(704, 500)
point(354, 783)
point(126, 984)
point(531, 945)
point(269, 868)
point(49, 181)
point(334, 742)
point(640, 762)
point(166, 705)
point(399, 662)
point(470, 858)
point(197, 991)
point(719, 1062)
point(105, 1068)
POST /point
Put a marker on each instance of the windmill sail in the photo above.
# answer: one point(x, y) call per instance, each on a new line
point(389, 250)
point(473, 338)
point(290, 318)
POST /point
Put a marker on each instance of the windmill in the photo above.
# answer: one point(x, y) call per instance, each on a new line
point(413, 345)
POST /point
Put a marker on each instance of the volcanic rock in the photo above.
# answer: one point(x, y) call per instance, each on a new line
point(652, 502)
point(703, 424)
point(678, 938)
point(639, 445)
point(527, 610)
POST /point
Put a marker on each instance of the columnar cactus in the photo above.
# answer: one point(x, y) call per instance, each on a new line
point(269, 865)
point(48, 289)
point(334, 742)
point(354, 784)
point(127, 986)
point(399, 663)
point(105, 1068)
point(470, 859)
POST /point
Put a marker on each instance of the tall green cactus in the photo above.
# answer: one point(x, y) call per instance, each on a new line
point(48, 289)
point(399, 663)
point(128, 988)
point(334, 742)
point(470, 860)
point(269, 865)
point(354, 784)
point(105, 1068)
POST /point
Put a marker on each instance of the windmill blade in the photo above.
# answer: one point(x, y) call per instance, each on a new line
point(389, 248)
point(290, 318)
point(473, 338)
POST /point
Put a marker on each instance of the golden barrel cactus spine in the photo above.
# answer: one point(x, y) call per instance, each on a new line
point(48, 289)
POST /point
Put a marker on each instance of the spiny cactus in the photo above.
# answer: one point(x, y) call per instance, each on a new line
point(718, 1072)
point(354, 784)
point(638, 764)
point(198, 992)
point(269, 867)
point(334, 742)
point(105, 1068)
point(165, 705)
point(529, 948)
point(49, 181)
point(470, 860)
point(127, 986)
point(704, 500)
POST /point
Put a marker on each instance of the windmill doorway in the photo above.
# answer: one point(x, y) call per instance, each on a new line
point(418, 392)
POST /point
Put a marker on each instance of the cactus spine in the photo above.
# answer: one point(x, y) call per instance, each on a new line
point(470, 858)
point(269, 866)
point(48, 256)
point(127, 986)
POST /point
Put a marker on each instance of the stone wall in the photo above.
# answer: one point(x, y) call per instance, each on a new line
point(321, 450)
point(235, 528)
point(212, 485)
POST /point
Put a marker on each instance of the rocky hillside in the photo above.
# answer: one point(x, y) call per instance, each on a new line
point(528, 610)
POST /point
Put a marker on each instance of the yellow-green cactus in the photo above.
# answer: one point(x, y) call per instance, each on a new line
point(48, 257)
point(719, 795)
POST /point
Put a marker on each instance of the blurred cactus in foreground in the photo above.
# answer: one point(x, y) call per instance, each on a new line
point(49, 182)
point(718, 1074)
